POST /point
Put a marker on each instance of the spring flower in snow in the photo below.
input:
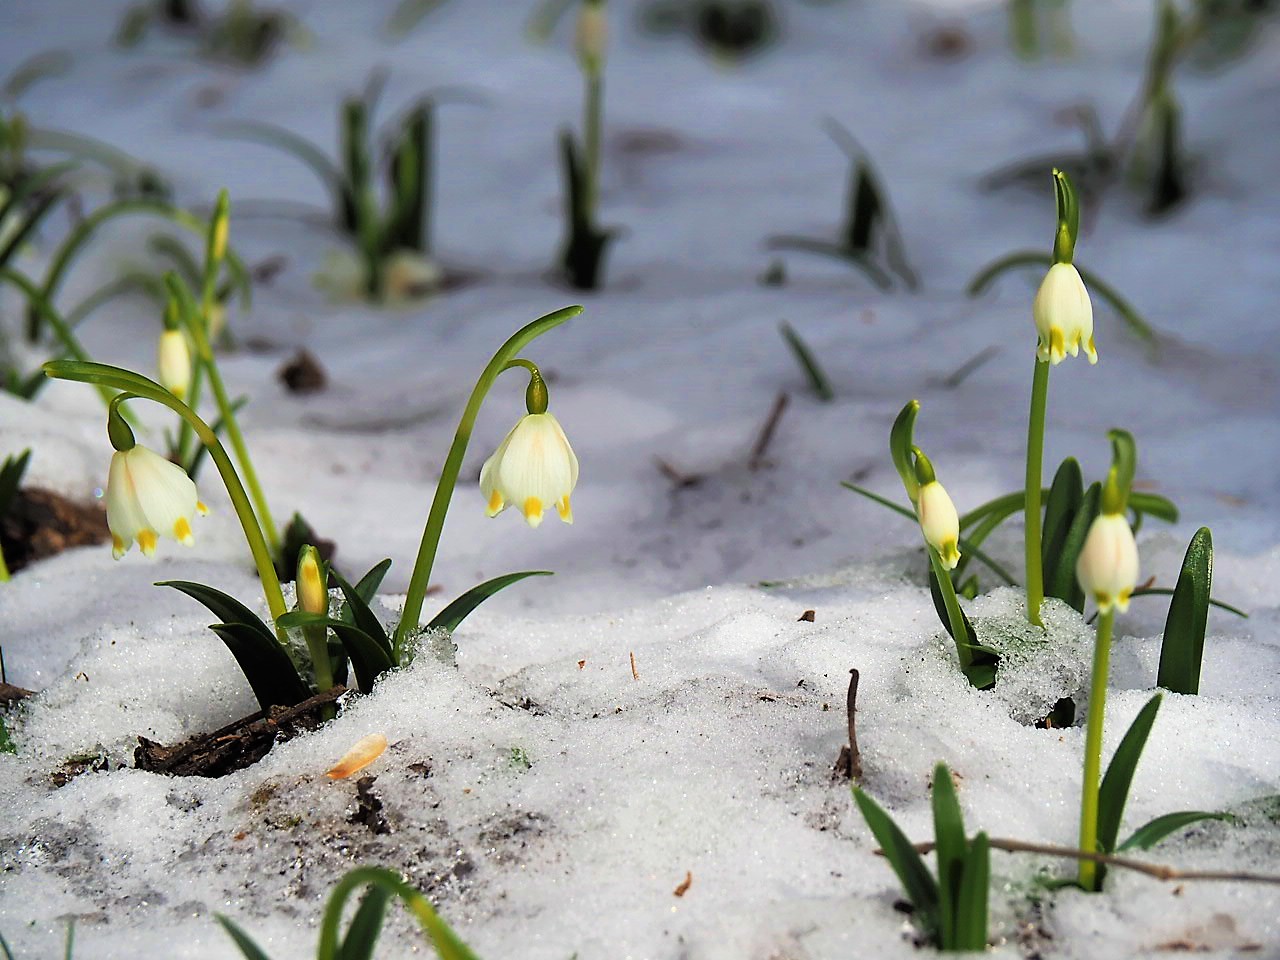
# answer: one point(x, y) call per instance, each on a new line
point(1108, 564)
point(939, 522)
point(592, 35)
point(533, 468)
point(173, 360)
point(147, 498)
point(1063, 315)
point(313, 591)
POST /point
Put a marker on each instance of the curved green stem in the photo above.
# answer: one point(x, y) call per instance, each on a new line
point(1035, 454)
point(421, 575)
point(147, 389)
point(954, 614)
point(231, 425)
point(1029, 258)
point(445, 941)
point(1093, 750)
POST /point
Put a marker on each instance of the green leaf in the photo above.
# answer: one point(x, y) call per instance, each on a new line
point(1060, 579)
point(6, 743)
point(1064, 500)
point(366, 925)
point(242, 940)
point(971, 903)
point(410, 173)
point(1114, 792)
point(1154, 505)
point(818, 381)
point(901, 439)
point(10, 477)
point(917, 883)
point(361, 616)
point(262, 659)
point(368, 586)
point(370, 658)
point(950, 848)
point(271, 674)
point(452, 615)
point(1149, 834)
point(1124, 461)
point(291, 143)
point(1182, 650)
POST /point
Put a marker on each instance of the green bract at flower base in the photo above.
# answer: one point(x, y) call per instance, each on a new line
point(362, 934)
point(951, 910)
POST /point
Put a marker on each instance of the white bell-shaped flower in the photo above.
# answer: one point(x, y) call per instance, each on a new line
point(173, 361)
point(532, 469)
point(1063, 315)
point(147, 498)
point(1108, 564)
point(939, 522)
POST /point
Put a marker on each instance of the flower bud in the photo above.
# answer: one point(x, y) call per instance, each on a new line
point(592, 35)
point(173, 358)
point(939, 522)
point(313, 592)
point(1063, 315)
point(1108, 564)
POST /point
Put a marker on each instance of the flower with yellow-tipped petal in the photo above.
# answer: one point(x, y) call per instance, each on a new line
point(1063, 315)
point(532, 469)
point(1108, 564)
point(147, 498)
point(939, 522)
point(173, 360)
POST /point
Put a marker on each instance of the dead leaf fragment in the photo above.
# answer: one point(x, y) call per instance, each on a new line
point(366, 750)
point(685, 884)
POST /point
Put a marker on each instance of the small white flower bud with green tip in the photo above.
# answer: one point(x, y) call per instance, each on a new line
point(1064, 315)
point(173, 362)
point(1108, 564)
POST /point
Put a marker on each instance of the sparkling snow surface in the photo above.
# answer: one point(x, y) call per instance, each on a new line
point(715, 757)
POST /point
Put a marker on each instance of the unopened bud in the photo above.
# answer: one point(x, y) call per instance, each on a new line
point(313, 592)
point(173, 359)
point(593, 35)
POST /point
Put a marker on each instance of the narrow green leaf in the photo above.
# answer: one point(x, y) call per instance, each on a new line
point(271, 674)
point(1153, 505)
point(917, 883)
point(369, 657)
point(1182, 650)
point(456, 612)
point(4, 945)
point(242, 940)
point(367, 587)
point(864, 209)
point(6, 743)
point(1149, 834)
point(10, 477)
point(1114, 792)
point(971, 904)
point(1065, 497)
point(288, 141)
point(1166, 592)
point(366, 926)
point(1060, 580)
point(818, 381)
point(950, 848)
point(223, 606)
point(361, 615)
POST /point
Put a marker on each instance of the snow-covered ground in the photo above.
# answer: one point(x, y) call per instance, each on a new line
point(714, 758)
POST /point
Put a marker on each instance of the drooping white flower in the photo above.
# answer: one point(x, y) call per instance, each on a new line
point(532, 469)
point(1063, 315)
point(147, 498)
point(592, 34)
point(939, 522)
point(1108, 564)
point(173, 361)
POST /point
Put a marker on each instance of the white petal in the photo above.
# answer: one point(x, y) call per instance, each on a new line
point(166, 494)
point(124, 514)
point(537, 462)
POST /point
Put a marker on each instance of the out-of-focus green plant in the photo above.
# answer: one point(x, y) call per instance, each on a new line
point(365, 928)
point(242, 34)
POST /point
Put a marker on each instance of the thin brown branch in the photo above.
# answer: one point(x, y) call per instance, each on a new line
point(767, 431)
point(849, 763)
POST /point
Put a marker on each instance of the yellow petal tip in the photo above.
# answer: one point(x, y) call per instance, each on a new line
point(366, 750)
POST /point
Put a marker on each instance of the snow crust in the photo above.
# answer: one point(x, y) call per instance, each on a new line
point(715, 756)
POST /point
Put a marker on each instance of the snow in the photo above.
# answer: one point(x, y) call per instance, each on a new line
point(715, 756)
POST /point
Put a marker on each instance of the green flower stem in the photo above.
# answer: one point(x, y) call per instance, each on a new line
point(592, 122)
point(1093, 750)
point(317, 637)
point(4, 567)
point(421, 575)
point(954, 614)
point(140, 386)
point(232, 426)
point(1035, 454)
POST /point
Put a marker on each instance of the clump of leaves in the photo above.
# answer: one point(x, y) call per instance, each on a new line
point(242, 34)
point(728, 30)
point(950, 909)
point(870, 238)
